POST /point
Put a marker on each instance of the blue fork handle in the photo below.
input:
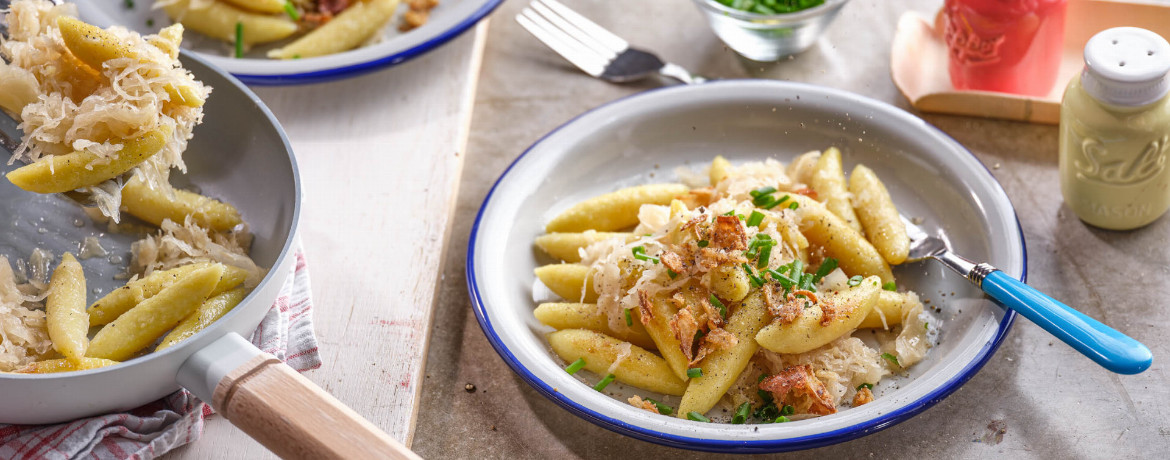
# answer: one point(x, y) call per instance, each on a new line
point(1108, 347)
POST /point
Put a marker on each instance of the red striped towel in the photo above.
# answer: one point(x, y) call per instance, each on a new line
point(156, 428)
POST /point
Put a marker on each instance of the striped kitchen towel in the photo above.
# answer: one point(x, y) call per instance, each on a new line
point(154, 429)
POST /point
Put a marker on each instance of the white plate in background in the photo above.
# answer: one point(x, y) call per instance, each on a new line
point(447, 21)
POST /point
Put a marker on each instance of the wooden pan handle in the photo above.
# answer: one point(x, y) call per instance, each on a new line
point(294, 418)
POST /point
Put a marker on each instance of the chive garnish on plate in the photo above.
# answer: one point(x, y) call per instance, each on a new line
point(576, 366)
point(604, 382)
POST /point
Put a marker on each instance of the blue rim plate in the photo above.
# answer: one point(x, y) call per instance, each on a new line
point(449, 20)
point(639, 139)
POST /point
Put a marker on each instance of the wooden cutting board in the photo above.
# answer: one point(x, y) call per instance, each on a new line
point(380, 157)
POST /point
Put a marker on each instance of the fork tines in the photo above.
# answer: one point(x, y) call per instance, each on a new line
point(584, 43)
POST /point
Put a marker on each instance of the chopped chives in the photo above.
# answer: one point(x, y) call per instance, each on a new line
point(292, 11)
point(755, 219)
point(717, 304)
point(756, 280)
point(806, 282)
point(890, 286)
point(703, 243)
point(765, 254)
point(787, 410)
point(640, 254)
point(729, 213)
point(239, 39)
point(662, 408)
point(576, 366)
point(793, 205)
point(856, 280)
point(694, 373)
point(629, 320)
point(826, 267)
point(775, 202)
point(797, 269)
point(762, 9)
point(891, 358)
point(784, 281)
point(868, 386)
point(692, 415)
point(781, 419)
point(741, 413)
point(767, 190)
point(672, 273)
point(604, 382)
point(926, 326)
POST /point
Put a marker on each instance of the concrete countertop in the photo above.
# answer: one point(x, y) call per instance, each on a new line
point(1036, 398)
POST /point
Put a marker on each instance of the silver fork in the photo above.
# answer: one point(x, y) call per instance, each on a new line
point(1108, 347)
point(594, 50)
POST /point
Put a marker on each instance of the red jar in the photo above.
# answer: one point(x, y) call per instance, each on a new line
point(1010, 46)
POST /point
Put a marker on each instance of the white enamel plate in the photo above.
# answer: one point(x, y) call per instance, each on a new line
point(642, 139)
point(446, 22)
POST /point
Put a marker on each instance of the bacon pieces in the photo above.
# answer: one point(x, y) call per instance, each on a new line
point(790, 307)
point(799, 380)
point(714, 319)
point(643, 404)
point(715, 340)
point(863, 397)
point(729, 234)
point(779, 307)
point(709, 258)
point(673, 261)
point(646, 308)
point(830, 311)
point(806, 192)
point(685, 327)
point(332, 7)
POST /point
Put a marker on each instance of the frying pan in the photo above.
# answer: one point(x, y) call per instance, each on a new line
point(239, 154)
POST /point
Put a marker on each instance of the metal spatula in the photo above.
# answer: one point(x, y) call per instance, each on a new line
point(1108, 347)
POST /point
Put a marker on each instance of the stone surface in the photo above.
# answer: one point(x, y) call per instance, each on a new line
point(1036, 398)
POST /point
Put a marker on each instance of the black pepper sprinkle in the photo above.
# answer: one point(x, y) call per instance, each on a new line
point(470, 388)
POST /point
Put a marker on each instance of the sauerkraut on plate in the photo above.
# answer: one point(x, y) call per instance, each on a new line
point(743, 290)
point(106, 115)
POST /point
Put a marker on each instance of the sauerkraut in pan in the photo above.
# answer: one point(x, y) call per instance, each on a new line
point(71, 100)
point(107, 114)
point(742, 292)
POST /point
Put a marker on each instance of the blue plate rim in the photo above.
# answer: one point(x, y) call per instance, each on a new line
point(726, 446)
point(353, 70)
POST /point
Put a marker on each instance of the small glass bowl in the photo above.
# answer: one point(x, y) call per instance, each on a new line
point(767, 38)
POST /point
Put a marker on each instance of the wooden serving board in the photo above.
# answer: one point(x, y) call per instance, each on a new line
point(918, 61)
point(380, 158)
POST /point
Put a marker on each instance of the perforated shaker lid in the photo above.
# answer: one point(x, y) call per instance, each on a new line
point(1127, 66)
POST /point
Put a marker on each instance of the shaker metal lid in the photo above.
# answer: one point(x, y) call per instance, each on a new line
point(1127, 66)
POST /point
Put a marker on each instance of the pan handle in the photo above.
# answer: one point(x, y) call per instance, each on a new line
point(279, 407)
